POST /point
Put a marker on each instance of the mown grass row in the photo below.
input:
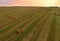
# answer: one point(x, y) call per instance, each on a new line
point(45, 31)
point(51, 35)
point(58, 23)
point(39, 32)
point(39, 29)
point(58, 28)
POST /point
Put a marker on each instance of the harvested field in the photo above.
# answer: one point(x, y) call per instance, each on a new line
point(29, 24)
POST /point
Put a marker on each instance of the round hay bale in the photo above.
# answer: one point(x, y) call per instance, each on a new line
point(58, 15)
point(19, 31)
point(5, 15)
point(9, 16)
point(13, 18)
point(55, 14)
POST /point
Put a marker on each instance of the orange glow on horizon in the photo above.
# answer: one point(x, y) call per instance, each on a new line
point(33, 3)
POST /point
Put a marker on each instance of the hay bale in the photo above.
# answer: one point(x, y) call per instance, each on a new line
point(58, 15)
point(6, 16)
point(13, 18)
point(19, 31)
point(9, 16)
point(55, 14)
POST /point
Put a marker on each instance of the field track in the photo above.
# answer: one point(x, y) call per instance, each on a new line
point(37, 24)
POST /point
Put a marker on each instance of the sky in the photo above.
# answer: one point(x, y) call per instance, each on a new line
point(29, 3)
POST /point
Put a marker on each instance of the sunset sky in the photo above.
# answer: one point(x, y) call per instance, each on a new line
point(29, 2)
